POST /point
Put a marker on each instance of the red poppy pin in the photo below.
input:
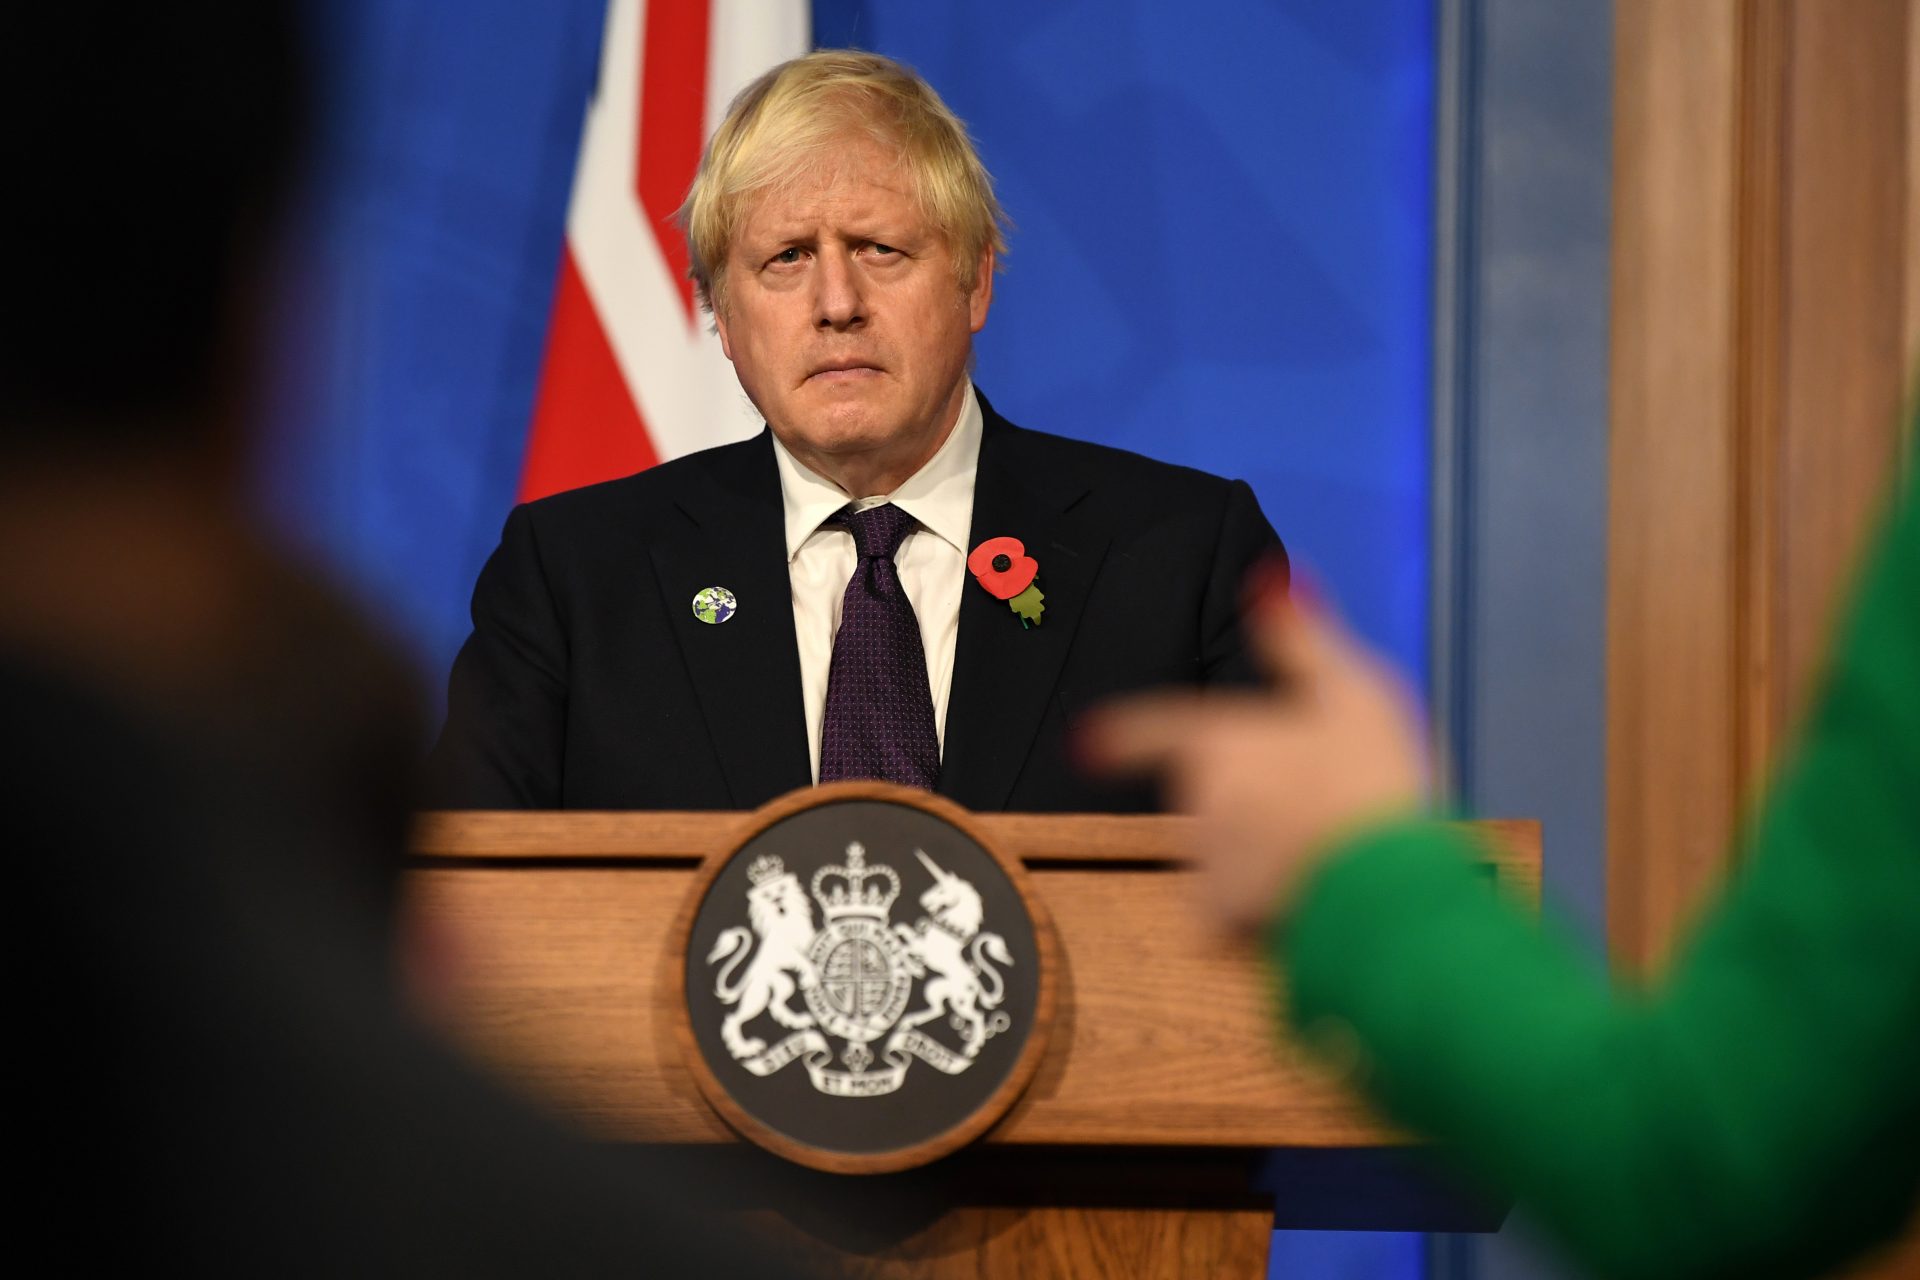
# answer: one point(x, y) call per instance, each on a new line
point(1004, 568)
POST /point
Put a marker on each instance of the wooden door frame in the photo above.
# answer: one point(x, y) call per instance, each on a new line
point(1766, 314)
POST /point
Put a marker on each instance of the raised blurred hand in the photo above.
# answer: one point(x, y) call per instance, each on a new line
point(1275, 778)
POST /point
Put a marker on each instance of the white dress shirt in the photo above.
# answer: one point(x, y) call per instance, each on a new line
point(932, 562)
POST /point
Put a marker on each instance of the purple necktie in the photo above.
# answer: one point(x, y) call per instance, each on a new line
point(879, 721)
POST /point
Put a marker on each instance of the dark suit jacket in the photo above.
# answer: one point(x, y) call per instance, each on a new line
point(588, 683)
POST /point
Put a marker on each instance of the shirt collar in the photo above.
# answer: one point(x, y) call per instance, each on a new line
point(939, 495)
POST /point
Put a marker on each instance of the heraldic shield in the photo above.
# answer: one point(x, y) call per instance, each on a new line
point(866, 983)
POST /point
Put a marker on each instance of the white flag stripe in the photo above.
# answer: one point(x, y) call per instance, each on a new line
point(682, 383)
point(748, 37)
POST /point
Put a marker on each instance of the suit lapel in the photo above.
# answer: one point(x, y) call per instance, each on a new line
point(745, 671)
point(1003, 674)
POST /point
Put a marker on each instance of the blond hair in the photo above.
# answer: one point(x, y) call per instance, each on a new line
point(785, 125)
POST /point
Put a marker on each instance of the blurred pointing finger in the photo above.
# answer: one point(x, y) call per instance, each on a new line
point(1137, 735)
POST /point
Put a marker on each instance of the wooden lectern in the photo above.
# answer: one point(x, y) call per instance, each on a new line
point(1167, 1126)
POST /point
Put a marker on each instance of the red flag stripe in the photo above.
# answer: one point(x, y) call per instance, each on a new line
point(673, 105)
point(586, 427)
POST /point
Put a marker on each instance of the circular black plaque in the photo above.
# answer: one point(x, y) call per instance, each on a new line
point(865, 981)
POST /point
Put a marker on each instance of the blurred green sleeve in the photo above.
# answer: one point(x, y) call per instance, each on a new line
point(1755, 1114)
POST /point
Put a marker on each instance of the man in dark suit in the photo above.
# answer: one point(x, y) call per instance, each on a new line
point(890, 581)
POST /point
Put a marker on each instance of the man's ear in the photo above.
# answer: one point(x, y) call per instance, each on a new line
point(981, 296)
point(720, 326)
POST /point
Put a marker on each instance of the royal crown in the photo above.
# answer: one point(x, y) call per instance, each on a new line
point(845, 891)
point(772, 882)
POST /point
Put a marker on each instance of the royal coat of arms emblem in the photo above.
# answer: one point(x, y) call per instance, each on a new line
point(839, 989)
point(864, 982)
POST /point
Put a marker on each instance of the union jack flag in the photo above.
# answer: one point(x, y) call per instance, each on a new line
point(632, 376)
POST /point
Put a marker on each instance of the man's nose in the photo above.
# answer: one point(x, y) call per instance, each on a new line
point(838, 301)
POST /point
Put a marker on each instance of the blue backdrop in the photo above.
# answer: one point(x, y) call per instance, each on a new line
point(1222, 257)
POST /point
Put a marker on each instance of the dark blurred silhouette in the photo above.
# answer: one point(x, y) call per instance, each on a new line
point(205, 777)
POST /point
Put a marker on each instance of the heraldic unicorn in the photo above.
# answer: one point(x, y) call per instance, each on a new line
point(855, 974)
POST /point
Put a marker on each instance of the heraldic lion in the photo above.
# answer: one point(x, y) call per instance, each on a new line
point(781, 916)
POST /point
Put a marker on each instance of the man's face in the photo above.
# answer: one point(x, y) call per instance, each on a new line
point(845, 323)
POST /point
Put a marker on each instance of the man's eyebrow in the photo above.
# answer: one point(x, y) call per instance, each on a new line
point(776, 235)
point(892, 229)
point(857, 231)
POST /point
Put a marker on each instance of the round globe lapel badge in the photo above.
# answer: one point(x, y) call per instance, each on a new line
point(865, 983)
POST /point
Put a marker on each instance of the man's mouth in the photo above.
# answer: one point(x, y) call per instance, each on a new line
point(844, 371)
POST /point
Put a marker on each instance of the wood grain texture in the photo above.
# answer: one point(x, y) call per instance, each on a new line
point(991, 1243)
point(1058, 837)
point(1757, 640)
point(1884, 214)
point(1672, 755)
point(1761, 247)
point(681, 838)
point(1846, 241)
point(1164, 1033)
point(1766, 324)
point(1912, 219)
